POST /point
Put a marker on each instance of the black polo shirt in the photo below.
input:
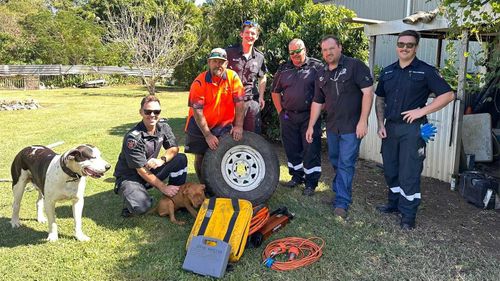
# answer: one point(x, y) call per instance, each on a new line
point(138, 147)
point(340, 90)
point(296, 84)
point(249, 69)
point(408, 88)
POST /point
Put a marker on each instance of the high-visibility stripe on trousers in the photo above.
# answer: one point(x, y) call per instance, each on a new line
point(403, 153)
point(304, 159)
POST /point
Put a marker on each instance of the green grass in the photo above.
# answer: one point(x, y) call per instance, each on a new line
point(366, 247)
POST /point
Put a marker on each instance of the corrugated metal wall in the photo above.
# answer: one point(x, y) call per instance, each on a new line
point(385, 9)
point(396, 9)
point(386, 51)
point(440, 155)
point(375, 9)
point(424, 5)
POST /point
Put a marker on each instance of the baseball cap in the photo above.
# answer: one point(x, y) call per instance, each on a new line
point(218, 53)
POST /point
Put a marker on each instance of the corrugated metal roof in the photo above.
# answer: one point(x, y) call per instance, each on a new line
point(56, 70)
point(9, 70)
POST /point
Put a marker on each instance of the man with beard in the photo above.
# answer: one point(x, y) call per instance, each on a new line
point(344, 88)
point(216, 107)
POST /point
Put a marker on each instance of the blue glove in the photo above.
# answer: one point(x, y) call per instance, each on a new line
point(428, 132)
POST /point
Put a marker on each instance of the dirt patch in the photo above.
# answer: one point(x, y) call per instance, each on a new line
point(440, 208)
point(443, 215)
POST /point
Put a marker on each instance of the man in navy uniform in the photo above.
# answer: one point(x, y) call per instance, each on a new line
point(139, 168)
point(292, 94)
point(402, 93)
point(249, 63)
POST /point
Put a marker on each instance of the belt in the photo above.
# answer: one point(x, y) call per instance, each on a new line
point(296, 111)
point(401, 121)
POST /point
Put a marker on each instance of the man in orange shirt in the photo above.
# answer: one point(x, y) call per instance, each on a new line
point(216, 101)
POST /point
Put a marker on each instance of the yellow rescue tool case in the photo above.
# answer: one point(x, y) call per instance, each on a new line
point(225, 219)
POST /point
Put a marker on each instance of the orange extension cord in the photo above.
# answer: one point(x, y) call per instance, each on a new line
point(300, 252)
point(258, 220)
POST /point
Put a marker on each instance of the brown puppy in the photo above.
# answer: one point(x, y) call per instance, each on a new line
point(190, 196)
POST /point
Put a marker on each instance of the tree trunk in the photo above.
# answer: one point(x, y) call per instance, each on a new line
point(152, 86)
point(150, 83)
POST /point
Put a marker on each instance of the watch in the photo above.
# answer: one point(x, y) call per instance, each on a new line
point(164, 159)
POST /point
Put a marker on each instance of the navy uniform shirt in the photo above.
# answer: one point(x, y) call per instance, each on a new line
point(249, 70)
point(296, 85)
point(408, 88)
point(340, 90)
point(138, 147)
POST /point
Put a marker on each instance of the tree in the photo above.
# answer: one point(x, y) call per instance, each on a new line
point(476, 17)
point(63, 37)
point(157, 44)
point(14, 46)
point(469, 14)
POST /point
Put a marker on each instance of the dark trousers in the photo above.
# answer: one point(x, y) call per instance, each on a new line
point(304, 159)
point(403, 153)
point(133, 190)
point(252, 120)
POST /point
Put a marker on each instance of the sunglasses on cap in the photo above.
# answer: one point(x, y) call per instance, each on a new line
point(410, 45)
point(218, 53)
point(250, 23)
point(294, 52)
point(149, 111)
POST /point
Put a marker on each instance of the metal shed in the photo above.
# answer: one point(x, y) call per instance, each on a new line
point(443, 155)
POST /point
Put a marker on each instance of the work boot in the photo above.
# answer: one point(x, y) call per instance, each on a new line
point(308, 191)
point(407, 227)
point(293, 183)
point(407, 224)
point(339, 212)
point(387, 209)
point(126, 213)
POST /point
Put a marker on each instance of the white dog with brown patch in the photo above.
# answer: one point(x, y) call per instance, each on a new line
point(56, 177)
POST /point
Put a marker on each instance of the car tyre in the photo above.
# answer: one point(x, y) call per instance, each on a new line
point(246, 169)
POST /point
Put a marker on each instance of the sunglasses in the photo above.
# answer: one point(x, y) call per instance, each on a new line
point(149, 111)
point(401, 45)
point(217, 55)
point(294, 52)
point(250, 23)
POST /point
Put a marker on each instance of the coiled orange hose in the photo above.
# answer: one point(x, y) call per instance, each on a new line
point(309, 252)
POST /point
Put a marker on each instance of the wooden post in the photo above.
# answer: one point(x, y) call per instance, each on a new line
point(462, 70)
point(439, 52)
point(371, 59)
point(462, 64)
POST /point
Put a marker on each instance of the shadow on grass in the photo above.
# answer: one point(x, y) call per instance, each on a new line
point(158, 242)
point(120, 130)
point(167, 89)
point(177, 125)
point(24, 235)
point(129, 95)
point(103, 208)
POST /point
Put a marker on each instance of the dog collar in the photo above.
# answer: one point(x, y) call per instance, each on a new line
point(68, 172)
